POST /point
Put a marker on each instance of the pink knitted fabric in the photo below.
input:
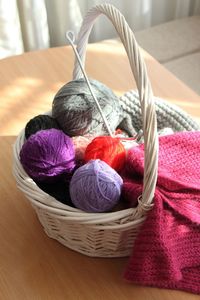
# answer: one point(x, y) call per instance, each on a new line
point(166, 252)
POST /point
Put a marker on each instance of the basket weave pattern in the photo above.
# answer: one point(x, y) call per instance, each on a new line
point(100, 234)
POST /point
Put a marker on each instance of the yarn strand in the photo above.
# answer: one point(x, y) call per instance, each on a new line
point(71, 40)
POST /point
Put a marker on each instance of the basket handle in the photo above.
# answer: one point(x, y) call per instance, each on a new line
point(138, 68)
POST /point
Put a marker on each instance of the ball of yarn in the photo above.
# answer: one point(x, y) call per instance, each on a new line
point(121, 133)
point(80, 145)
point(165, 131)
point(128, 143)
point(76, 112)
point(108, 149)
point(130, 192)
point(95, 187)
point(48, 154)
point(40, 122)
point(59, 190)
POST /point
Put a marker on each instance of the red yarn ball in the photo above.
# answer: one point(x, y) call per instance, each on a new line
point(108, 149)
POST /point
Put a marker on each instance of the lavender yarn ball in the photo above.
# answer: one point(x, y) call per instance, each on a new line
point(40, 122)
point(76, 112)
point(95, 187)
point(47, 155)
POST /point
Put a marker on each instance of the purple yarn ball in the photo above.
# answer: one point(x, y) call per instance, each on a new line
point(95, 187)
point(47, 155)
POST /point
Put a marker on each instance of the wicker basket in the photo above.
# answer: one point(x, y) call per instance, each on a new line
point(100, 234)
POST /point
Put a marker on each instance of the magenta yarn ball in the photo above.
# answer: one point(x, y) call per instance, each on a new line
point(47, 155)
point(95, 187)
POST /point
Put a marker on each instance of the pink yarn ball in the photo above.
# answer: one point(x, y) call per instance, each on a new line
point(131, 192)
point(80, 144)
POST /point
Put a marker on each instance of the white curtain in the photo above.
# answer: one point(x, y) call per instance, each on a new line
point(27, 25)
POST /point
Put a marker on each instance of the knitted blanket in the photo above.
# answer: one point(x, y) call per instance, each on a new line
point(168, 115)
point(166, 253)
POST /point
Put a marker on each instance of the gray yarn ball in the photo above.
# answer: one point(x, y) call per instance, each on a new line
point(76, 112)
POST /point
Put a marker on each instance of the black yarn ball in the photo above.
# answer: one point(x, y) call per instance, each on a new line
point(59, 190)
point(76, 112)
point(40, 122)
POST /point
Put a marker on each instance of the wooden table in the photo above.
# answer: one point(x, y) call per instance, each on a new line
point(33, 266)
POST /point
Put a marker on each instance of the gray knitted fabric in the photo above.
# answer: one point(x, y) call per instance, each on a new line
point(168, 115)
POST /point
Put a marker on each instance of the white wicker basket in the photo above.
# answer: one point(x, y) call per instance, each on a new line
point(100, 234)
